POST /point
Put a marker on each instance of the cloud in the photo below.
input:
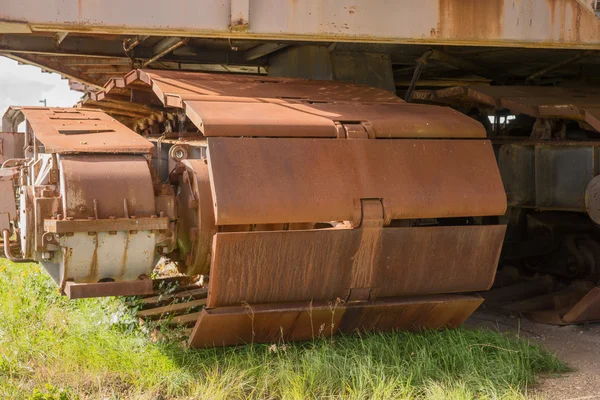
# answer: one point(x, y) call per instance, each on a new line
point(23, 85)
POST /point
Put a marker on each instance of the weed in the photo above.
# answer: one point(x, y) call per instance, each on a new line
point(92, 348)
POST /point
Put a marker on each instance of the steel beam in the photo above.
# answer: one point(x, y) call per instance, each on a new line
point(534, 23)
point(130, 44)
point(59, 37)
point(559, 64)
point(164, 47)
point(263, 50)
point(69, 73)
point(99, 48)
point(459, 63)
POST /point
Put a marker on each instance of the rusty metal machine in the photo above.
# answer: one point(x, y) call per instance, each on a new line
point(548, 158)
point(306, 203)
point(264, 147)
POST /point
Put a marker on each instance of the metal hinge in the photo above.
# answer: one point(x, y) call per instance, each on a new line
point(367, 256)
point(354, 130)
point(372, 213)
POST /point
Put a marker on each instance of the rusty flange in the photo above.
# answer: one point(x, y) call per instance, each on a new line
point(197, 222)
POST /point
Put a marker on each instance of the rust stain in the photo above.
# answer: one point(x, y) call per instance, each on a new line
point(470, 19)
point(351, 10)
point(239, 25)
point(366, 257)
point(125, 255)
point(93, 275)
point(569, 20)
point(577, 29)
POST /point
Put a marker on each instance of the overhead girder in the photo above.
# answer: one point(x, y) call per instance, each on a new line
point(537, 23)
point(104, 47)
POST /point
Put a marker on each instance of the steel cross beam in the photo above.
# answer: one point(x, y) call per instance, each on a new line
point(535, 23)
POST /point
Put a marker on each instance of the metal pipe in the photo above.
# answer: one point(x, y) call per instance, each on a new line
point(421, 61)
point(13, 162)
point(7, 254)
point(130, 44)
point(165, 52)
point(559, 64)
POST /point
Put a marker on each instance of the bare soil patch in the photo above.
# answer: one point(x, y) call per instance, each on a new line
point(577, 345)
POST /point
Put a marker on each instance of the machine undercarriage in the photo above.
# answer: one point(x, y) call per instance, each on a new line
point(547, 154)
point(323, 166)
point(302, 201)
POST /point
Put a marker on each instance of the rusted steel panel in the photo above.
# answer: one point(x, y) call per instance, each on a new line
point(592, 117)
point(309, 180)
point(196, 225)
point(8, 206)
point(106, 225)
point(577, 309)
point(70, 130)
point(264, 323)
point(12, 145)
point(104, 186)
point(296, 119)
point(107, 190)
point(284, 266)
point(190, 85)
point(256, 119)
point(400, 120)
point(581, 104)
point(233, 105)
point(536, 23)
point(587, 309)
point(104, 289)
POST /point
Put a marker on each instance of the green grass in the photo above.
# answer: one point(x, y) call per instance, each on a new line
point(51, 348)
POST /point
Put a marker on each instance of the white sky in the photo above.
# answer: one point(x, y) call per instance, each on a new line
point(25, 85)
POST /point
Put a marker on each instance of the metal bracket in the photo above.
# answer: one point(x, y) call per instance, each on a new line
point(372, 213)
point(54, 173)
point(354, 130)
point(106, 225)
point(367, 256)
point(103, 289)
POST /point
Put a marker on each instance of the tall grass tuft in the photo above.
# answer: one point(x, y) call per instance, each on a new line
point(51, 348)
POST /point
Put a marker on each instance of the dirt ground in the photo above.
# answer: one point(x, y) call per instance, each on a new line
point(578, 346)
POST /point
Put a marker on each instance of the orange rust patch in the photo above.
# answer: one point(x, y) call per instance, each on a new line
point(470, 19)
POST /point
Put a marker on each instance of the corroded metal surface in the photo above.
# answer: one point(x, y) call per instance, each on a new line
point(587, 309)
point(263, 323)
point(272, 267)
point(256, 119)
point(309, 180)
point(104, 186)
point(538, 23)
point(91, 217)
point(592, 199)
point(582, 104)
point(304, 119)
point(282, 159)
point(8, 206)
point(191, 85)
point(103, 225)
point(196, 227)
point(11, 145)
point(64, 131)
point(231, 105)
point(104, 289)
